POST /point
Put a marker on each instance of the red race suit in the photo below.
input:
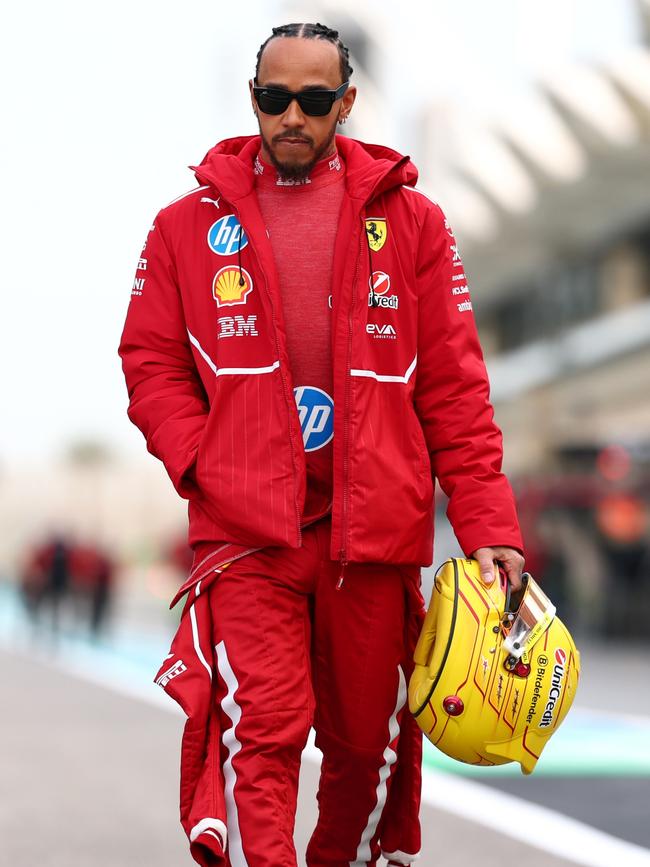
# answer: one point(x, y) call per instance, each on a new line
point(309, 624)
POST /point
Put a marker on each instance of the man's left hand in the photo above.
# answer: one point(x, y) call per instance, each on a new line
point(509, 558)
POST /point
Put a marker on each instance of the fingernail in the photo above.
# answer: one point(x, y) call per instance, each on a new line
point(488, 577)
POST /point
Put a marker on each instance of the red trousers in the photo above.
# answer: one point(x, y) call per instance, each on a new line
point(297, 648)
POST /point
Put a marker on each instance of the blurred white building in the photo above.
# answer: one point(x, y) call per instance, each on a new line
point(531, 126)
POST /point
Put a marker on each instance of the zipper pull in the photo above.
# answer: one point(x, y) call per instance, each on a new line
point(339, 583)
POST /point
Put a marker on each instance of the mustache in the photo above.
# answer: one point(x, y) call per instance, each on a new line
point(293, 135)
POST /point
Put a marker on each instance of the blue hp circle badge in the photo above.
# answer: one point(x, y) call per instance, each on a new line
point(316, 412)
point(226, 236)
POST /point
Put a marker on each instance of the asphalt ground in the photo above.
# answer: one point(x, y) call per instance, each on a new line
point(89, 766)
point(90, 779)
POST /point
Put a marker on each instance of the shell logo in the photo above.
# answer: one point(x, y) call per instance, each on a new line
point(229, 288)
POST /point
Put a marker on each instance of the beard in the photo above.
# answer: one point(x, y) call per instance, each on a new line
point(298, 171)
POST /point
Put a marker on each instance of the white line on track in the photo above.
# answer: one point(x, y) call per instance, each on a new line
point(529, 823)
point(86, 664)
point(534, 825)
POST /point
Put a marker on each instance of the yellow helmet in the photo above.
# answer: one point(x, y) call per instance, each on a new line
point(491, 684)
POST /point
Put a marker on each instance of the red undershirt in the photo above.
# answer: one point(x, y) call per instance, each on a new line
point(301, 219)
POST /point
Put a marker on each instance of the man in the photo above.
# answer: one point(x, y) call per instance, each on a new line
point(300, 352)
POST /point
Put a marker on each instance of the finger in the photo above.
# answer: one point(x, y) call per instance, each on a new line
point(513, 569)
point(486, 565)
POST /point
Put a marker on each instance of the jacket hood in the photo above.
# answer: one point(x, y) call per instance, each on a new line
point(370, 169)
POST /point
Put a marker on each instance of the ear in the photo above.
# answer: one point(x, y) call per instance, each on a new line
point(347, 102)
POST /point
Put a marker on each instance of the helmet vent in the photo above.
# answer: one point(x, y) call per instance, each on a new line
point(453, 705)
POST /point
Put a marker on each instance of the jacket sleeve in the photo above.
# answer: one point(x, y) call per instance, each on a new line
point(166, 398)
point(452, 397)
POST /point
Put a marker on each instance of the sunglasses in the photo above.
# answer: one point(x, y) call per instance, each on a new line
point(315, 103)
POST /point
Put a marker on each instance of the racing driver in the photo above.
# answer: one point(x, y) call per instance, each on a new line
point(300, 352)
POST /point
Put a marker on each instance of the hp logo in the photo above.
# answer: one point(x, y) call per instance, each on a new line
point(226, 236)
point(316, 413)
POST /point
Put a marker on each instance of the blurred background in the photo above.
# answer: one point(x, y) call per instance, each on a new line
point(530, 125)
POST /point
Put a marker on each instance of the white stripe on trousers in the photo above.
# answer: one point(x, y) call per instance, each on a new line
point(390, 757)
point(233, 745)
point(197, 641)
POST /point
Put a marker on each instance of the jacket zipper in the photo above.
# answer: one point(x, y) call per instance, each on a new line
point(346, 422)
point(288, 398)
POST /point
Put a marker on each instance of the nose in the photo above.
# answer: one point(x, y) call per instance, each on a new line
point(293, 116)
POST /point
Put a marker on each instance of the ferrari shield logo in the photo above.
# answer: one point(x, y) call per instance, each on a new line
point(377, 232)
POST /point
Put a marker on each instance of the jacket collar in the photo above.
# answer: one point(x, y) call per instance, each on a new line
point(370, 169)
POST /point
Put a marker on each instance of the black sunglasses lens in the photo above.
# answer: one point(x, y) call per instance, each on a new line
point(315, 104)
point(273, 101)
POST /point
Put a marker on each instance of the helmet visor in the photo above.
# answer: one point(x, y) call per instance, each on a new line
point(531, 620)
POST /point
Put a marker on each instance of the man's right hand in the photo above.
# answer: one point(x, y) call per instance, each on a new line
point(510, 559)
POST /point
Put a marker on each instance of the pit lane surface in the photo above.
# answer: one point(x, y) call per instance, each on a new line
point(90, 779)
point(89, 758)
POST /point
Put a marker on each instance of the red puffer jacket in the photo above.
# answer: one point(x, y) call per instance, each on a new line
point(205, 359)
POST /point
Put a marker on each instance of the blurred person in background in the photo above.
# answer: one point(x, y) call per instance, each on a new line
point(45, 580)
point(63, 572)
point(91, 572)
point(306, 272)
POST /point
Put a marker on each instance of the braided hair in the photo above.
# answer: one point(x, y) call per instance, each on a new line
point(310, 31)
